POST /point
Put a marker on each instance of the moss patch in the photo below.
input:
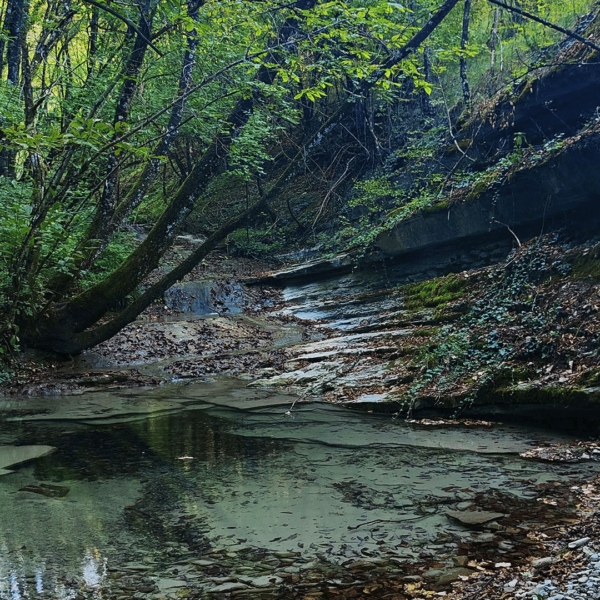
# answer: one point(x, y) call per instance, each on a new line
point(433, 293)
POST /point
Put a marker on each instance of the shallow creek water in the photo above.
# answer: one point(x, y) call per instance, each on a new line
point(160, 478)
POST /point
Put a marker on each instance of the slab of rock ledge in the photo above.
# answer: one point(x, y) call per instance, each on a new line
point(474, 517)
point(342, 263)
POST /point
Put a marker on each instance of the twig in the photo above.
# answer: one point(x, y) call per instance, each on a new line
point(509, 229)
point(127, 22)
point(331, 190)
point(387, 521)
point(479, 590)
point(465, 155)
point(544, 219)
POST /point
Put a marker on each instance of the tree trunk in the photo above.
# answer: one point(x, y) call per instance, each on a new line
point(108, 198)
point(426, 106)
point(93, 39)
point(494, 42)
point(463, 60)
point(14, 24)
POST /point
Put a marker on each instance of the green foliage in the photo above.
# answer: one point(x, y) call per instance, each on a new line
point(116, 252)
point(64, 143)
point(254, 244)
point(371, 192)
point(587, 268)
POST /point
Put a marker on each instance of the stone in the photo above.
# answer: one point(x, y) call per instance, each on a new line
point(362, 564)
point(227, 587)
point(460, 561)
point(262, 582)
point(451, 575)
point(474, 517)
point(542, 563)
point(46, 489)
point(433, 574)
point(578, 543)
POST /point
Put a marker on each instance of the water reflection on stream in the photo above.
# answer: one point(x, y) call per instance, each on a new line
point(160, 478)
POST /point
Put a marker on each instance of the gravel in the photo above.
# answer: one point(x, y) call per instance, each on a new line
point(583, 584)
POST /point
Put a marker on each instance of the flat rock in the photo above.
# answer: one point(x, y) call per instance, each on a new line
point(579, 543)
point(474, 517)
point(262, 582)
point(451, 575)
point(202, 563)
point(542, 563)
point(47, 489)
point(15, 455)
point(341, 343)
point(433, 573)
point(342, 263)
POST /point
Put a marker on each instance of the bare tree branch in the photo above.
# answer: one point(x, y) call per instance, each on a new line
point(125, 20)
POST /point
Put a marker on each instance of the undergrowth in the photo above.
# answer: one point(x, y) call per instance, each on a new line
point(522, 317)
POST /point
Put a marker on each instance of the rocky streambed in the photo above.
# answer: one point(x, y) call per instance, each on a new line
point(207, 451)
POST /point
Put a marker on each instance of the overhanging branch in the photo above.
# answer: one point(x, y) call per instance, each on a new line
point(527, 15)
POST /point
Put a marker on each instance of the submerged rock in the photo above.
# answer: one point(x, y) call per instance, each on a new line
point(474, 517)
point(46, 489)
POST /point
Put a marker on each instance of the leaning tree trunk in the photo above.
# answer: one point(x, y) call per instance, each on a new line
point(211, 164)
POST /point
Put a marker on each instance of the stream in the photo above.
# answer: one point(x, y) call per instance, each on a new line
point(214, 488)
